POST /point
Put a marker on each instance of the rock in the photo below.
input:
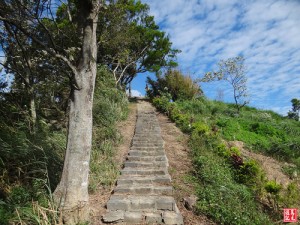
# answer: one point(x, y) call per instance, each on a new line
point(190, 202)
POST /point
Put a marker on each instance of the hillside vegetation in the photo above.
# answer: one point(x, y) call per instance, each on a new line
point(31, 163)
point(231, 188)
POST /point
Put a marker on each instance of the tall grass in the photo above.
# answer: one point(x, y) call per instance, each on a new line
point(29, 166)
point(31, 163)
point(110, 106)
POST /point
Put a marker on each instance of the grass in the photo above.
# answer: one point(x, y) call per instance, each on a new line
point(220, 196)
point(261, 130)
point(232, 190)
point(110, 106)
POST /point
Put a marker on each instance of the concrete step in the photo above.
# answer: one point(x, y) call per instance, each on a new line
point(146, 139)
point(146, 153)
point(172, 218)
point(147, 158)
point(156, 217)
point(147, 136)
point(156, 164)
point(141, 203)
point(154, 179)
point(147, 148)
point(144, 171)
point(147, 143)
point(143, 189)
point(141, 139)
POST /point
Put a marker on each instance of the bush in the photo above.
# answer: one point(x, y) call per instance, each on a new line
point(200, 128)
point(249, 173)
point(273, 187)
point(174, 82)
point(220, 168)
point(291, 196)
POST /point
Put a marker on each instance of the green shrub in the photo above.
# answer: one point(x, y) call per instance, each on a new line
point(222, 122)
point(222, 150)
point(273, 187)
point(4, 213)
point(249, 173)
point(176, 83)
point(220, 168)
point(200, 128)
point(226, 152)
point(235, 151)
point(161, 102)
point(174, 112)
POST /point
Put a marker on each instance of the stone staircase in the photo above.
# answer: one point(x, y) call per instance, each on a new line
point(143, 194)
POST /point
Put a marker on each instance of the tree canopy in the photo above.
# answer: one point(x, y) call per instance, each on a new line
point(295, 112)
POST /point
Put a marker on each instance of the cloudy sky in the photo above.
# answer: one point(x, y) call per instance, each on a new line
point(265, 32)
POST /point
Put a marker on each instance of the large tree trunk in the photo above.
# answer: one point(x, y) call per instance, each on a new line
point(72, 191)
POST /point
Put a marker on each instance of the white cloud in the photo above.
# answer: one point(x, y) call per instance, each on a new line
point(135, 93)
point(266, 33)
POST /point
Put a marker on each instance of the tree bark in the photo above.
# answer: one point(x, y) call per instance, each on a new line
point(30, 91)
point(72, 191)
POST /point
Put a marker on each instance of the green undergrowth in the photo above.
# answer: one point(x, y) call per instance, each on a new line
point(31, 163)
point(232, 189)
point(221, 197)
point(110, 107)
point(30, 166)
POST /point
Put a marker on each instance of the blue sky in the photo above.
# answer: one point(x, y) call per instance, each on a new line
point(265, 32)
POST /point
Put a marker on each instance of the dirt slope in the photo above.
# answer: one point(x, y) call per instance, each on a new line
point(271, 166)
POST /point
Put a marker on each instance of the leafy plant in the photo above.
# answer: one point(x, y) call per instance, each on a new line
point(176, 83)
point(273, 189)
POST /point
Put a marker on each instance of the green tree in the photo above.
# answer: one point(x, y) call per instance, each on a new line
point(176, 83)
point(130, 42)
point(295, 112)
point(31, 18)
point(232, 71)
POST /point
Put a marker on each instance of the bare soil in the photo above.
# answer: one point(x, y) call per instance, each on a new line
point(271, 166)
